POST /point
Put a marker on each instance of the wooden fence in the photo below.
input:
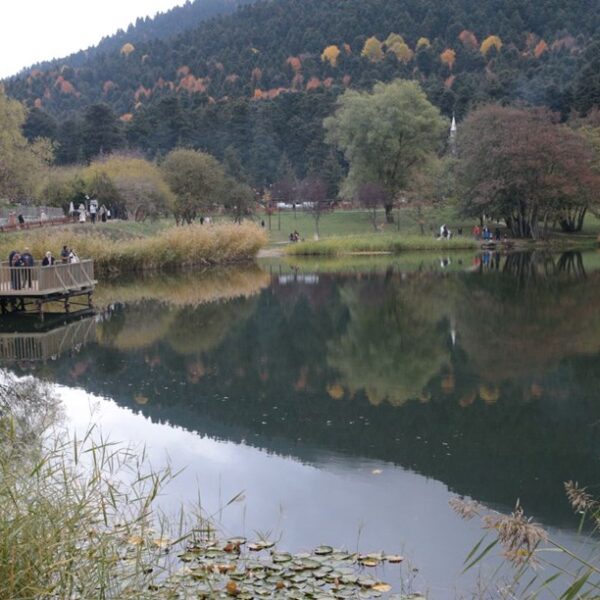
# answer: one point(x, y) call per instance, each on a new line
point(61, 278)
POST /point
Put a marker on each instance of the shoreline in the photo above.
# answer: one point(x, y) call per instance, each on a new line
point(359, 246)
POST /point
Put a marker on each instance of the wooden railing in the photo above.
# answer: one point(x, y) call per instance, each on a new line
point(48, 345)
point(53, 279)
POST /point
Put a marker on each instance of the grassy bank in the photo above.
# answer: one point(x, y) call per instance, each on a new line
point(377, 243)
point(165, 249)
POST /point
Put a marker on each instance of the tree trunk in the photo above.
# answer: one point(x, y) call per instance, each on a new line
point(389, 215)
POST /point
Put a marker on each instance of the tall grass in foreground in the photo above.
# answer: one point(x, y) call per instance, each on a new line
point(78, 522)
point(168, 249)
point(374, 243)
point(542, 567)
point(74, 514)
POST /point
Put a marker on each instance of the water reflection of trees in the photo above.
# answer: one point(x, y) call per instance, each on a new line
point(496, 372)
point(396, 338)
point(185, 289)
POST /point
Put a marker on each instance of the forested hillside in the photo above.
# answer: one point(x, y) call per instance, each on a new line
point(254, 86)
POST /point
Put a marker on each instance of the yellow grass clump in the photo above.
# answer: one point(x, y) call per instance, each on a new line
point(169, 249)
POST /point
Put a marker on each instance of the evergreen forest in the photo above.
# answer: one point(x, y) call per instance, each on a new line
point(251, 83)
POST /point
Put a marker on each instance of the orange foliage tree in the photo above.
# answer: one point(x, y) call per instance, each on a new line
point(468, 39)
point(540, 48)
point(448, 57)
point(295, 63)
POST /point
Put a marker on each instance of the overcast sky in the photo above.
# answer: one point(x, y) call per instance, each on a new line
point(36, 30)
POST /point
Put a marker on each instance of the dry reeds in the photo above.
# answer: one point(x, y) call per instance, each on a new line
point(169, 249)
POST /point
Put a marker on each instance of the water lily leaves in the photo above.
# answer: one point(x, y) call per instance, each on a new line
point(237, 541)
point(323, 550)
point(261, 545)
point(281, 557)
point(369, 562)
point(188, 556)
point(366, 582)
point(232, 588)
point(393, 558)
point(232, 569)
point(309, 563)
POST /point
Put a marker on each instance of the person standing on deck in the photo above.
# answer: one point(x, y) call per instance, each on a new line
point(15, 271)
point(64, 254)
point(48, 260)
point(28, 261)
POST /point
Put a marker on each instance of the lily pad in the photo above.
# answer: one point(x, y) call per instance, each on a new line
point(393, 558)
point(323, 550)
point(280, 557)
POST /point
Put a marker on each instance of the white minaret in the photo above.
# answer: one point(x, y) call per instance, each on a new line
point(452, 138)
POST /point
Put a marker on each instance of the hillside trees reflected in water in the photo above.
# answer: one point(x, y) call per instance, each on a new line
point(486, 380)
point(396, 340)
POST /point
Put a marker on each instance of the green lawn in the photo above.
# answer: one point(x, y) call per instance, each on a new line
point(356, 222)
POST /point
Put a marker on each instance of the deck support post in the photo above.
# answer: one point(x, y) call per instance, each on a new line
point(40, 309)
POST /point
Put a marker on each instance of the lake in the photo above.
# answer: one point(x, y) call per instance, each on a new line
point(349, 401)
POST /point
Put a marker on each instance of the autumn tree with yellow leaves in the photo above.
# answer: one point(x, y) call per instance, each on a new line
point(492, 41)
point(330, 55)
point(373, 50)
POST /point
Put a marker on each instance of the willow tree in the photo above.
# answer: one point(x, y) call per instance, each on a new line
point(385, 135)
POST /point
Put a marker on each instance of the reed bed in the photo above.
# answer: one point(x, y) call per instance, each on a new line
point(74, 514)
point(377, 243)
point(168, 249)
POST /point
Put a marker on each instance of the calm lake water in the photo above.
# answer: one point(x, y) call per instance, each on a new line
point(350, 402)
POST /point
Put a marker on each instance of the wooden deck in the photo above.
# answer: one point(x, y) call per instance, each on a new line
point(21, 287)
point(47, 345)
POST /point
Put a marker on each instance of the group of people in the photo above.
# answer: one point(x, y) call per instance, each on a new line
point(25, 258)
point(485, 233)
point(295, 236)
point(103, 213)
